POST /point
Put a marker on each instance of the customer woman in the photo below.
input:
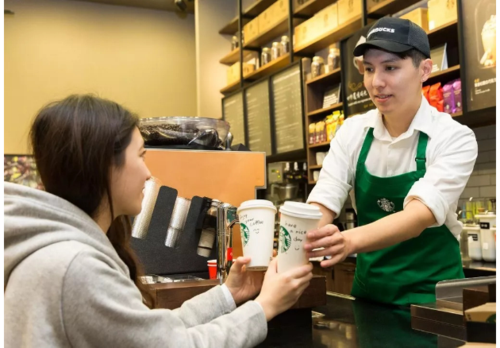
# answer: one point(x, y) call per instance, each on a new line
point(70, 276)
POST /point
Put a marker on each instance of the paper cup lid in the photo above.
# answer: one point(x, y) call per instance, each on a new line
point(257, 203)
point(301, 210)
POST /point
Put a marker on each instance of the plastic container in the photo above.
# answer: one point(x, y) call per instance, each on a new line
point(275, 51)
point(474, 237)
point(488, 246)
point(196, 132)
point(265, 56)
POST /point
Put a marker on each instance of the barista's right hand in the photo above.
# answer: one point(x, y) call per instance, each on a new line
point(280, 291)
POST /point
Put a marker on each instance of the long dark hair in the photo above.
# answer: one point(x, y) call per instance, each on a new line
point(75, 142)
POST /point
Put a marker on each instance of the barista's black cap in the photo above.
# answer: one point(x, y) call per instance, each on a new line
point(395, 35)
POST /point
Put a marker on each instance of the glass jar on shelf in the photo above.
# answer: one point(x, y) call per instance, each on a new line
point(317, 67)
point(333, 59)
point(275, 51)
point(285, 45)
point(265, 56)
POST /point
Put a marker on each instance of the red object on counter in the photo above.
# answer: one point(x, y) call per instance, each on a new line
point(212, 269)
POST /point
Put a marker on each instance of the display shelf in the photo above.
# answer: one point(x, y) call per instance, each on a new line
point(390, 7)
point(315, 167)
point(230, 28)
point(443, 76)
point(325, 110)
point(231, 58)
point(442, 28)
point(269, 68)
point(257, 8)
point(325, 78)
point(325, 144)
point(230, 88)
point(311, 7)
point(330, 37)
point(264, 38)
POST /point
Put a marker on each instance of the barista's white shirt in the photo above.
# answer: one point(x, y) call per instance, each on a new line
point(451, 154)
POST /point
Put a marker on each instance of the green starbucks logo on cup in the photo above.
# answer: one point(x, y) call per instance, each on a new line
point(245, 234)
point(285, 239)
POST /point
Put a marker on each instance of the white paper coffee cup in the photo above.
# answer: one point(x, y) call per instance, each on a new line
point(296, 220)
point(257, 218)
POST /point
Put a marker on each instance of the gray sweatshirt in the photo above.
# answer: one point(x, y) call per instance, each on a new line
point(65, 286)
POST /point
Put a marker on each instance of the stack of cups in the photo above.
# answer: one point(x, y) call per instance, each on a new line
point(177, 221)
point(296, 220)
point(141, 222)
point(257, 231)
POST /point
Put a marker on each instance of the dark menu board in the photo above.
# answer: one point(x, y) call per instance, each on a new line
point(288, 118)
point(258, 118)
point(358, 100)
point(232, 108)
point(479, 23)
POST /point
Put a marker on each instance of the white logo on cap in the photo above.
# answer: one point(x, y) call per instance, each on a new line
point(387, 30)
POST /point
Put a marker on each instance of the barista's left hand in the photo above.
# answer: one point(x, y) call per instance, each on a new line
point(335, 244)
point(243, 284)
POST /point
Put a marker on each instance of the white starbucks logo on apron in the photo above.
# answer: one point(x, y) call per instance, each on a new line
point(386, 205)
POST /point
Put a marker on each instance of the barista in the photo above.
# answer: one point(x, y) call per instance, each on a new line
point(405, 166)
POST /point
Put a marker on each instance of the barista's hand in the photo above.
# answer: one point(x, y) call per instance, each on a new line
point(280, 291)
point(243, 284)
point(334, 242)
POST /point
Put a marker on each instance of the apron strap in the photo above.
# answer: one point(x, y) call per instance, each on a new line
point(366, 148)
point(421, 149)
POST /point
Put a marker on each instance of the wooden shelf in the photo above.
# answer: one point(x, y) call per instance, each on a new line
point(311, 182)
point(390, 7)
point(445, 72)
point(442, 27)
point(231, 58)
point(457, 114)
point(269, 68)
point(230, 88)
point(315, 167)
point(333, 75)
point(330, 37)
point(443, 76)
point(231, 28)
point(266, 37)
point(311, 7)
point(257, 8)
point(325, 110)
point(319, 145)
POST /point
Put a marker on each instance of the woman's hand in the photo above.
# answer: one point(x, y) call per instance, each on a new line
point(243, 284)
point(280, 291)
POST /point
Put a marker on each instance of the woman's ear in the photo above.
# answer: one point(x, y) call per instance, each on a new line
point(426, 69)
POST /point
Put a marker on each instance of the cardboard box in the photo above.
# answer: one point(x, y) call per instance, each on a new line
point(265, 20)
point(251, 30)
point(327, 19)
point(279, 11)
point(273, 15)
point(478, 345)
point(419, 17)
point(485, 313)
point(305, 32)
point(441, 12)
point(347, 10)
point(233, 72)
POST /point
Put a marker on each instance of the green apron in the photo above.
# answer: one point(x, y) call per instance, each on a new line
point(407, 272)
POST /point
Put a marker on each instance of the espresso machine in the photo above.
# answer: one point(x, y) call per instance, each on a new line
point(287, 181)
